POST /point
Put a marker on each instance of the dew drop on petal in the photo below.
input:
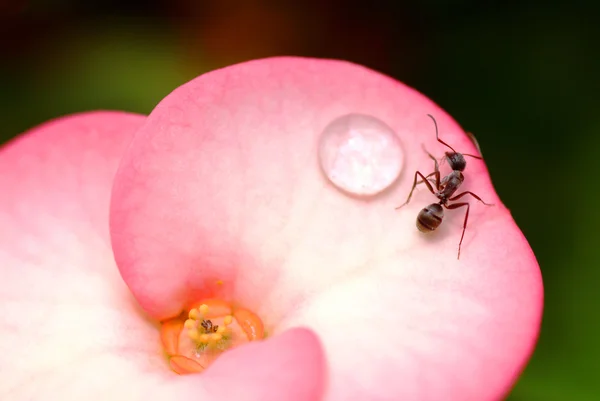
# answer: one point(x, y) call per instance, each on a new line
point(360, 154)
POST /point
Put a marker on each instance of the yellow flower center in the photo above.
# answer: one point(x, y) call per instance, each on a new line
point(212, 327)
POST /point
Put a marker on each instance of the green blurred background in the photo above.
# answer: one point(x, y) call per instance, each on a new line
point(522, 77)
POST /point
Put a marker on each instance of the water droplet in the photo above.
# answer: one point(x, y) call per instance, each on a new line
point(360, 154)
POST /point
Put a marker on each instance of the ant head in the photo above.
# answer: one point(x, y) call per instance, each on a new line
point(456, 161)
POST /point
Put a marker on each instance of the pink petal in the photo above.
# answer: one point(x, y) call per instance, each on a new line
point(222, 185)
point(288, 367)
point(69, 328)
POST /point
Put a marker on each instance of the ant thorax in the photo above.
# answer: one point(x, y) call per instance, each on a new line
point(449, 184)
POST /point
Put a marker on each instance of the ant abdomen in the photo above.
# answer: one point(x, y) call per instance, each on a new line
point(430, 218)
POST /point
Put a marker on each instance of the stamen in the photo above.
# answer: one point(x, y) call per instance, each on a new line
point(203, 309)
point(195, 314)
point(194, 335)
point(212, 327)
point(217, 308)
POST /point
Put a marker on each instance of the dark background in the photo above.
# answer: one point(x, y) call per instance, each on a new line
point(522, 77)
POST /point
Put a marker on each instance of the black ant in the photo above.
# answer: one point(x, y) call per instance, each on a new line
point(430, 217)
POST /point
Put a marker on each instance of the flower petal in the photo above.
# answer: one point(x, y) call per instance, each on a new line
point(69, 328)
point(221, 195)
point(66, 312)
point(290, 366)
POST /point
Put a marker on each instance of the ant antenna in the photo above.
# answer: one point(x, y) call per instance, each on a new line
point(437, 136)
point(473, 156)
point(444, 143)
point(476, 143)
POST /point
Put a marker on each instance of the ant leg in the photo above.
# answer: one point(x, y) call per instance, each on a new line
point(430, 180)
point(437, 168)
point(436, 173)
point(425, 181)
point(473, 195)
point(456, 206)
point(431, 157)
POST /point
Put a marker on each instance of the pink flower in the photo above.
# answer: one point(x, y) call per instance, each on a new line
point(219, 200)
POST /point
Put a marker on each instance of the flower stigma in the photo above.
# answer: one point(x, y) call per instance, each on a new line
point(211, 327)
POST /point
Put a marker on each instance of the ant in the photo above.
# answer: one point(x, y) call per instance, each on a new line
point(430, 217)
